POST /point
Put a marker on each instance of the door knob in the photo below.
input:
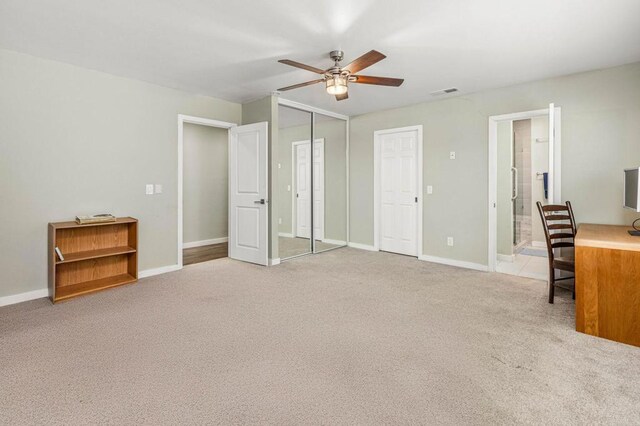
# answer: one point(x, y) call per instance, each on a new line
point(260, 201)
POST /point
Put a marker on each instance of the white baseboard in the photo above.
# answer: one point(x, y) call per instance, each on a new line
point(42, 293)
point(274, 262)
point(540, 244)
point(336, 242)
point(157, 271)
point(505, 257)
point(362, 246)
point(453, 262)
point(24, 297)
point(205, 242)
point(285, 234)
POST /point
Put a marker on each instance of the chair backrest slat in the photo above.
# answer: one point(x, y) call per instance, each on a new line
point(561, 235)
point(566, 229)
point(557, 217)
point(555, 208)
point(559, 245)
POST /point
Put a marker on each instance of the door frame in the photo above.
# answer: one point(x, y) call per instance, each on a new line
point(182, 119)
point(555, 164)
point(294, 221)
point(376, 184)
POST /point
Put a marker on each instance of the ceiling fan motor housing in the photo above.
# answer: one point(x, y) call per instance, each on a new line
point(336, 55)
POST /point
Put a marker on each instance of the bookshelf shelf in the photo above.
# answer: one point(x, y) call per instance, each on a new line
point(94, 254)
point(97, 256)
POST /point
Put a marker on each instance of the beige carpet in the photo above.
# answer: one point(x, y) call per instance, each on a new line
point(344, 337)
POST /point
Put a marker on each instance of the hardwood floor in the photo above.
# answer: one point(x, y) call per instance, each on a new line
point(204, 253)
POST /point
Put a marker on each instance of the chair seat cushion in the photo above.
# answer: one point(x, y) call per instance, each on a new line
point(564, 263)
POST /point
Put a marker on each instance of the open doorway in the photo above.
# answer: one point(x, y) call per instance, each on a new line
point(205, 193)
point(524, 151)
point(203, 190)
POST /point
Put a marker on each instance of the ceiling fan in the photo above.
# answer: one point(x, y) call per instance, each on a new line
point(337, 78)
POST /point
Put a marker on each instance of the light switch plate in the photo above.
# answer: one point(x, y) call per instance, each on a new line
point(149, 189)
point(452, 155)
point(429, 189)
point(279, 221)
point(450, 241)
point(158, 188)
point(289, 188)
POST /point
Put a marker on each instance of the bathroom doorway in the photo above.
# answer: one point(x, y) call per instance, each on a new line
point(524, 169)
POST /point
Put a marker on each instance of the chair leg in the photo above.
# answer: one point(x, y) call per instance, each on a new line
point(552, 285)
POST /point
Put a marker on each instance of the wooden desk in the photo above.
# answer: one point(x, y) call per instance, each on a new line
point(608, 283)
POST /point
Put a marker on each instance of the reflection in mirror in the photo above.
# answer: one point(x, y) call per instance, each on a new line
point(330, 182)
point(294, 187)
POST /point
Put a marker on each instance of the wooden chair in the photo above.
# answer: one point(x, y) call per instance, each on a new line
point(560, 232)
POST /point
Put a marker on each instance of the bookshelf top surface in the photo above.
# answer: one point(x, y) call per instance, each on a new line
point(74, 224)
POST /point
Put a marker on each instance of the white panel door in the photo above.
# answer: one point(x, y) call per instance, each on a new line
point(302, 157)
point(318, 189)
point(398, 192)
point(303, 189)
point(248, 214)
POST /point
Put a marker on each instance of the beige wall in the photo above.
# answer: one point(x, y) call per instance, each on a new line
point(335, 142)
point(206, 182)
point(75, 141)
point(600, 137)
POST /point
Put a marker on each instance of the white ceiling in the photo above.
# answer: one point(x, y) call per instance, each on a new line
point(229, 49)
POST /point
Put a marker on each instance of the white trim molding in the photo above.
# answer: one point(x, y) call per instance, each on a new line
point(336, 242)
point(192, 120)
point(203, 243)
point(362, 246)
point(158, 271)
point(274, 262)
point(309, 108)
point(453, 262)
point(506, 257)
point(555, 129)
point(376, 183)
point(285, 234)
point(24, 297)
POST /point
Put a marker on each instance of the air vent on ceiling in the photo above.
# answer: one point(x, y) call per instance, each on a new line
point(444, 91)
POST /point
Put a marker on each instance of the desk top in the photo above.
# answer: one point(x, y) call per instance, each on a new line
point(606, 236)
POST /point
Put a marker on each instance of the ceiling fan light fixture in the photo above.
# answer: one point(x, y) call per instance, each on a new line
point(337, 85)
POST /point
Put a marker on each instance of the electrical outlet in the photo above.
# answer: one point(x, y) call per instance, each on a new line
point(452, 155)
point(279, 165)
point(158, 188)
point(450, 241)
point(429, 189)
point(149, 189)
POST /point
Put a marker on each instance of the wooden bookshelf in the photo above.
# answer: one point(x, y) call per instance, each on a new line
point(97, 256)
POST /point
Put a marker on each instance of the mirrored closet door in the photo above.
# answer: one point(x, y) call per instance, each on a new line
point(312, 182)
point(294, 182)
point(329, 182)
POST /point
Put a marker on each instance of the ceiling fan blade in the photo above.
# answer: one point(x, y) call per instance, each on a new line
point(364, 61)
point(295, 86)
point(380, 81)
point(342, 97)
point(300, 65)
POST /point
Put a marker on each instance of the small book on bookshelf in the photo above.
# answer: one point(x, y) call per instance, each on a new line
point(96, 218)
point(59, 253)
